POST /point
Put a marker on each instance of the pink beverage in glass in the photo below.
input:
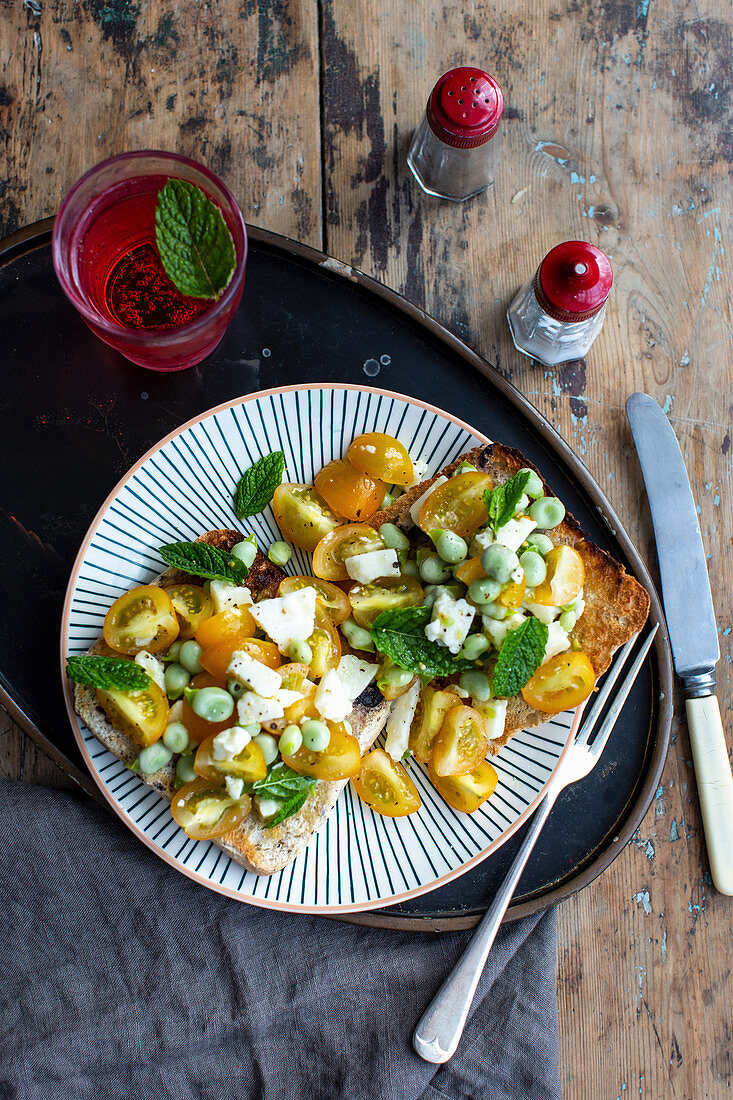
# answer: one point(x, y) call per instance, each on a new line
point(107, 262)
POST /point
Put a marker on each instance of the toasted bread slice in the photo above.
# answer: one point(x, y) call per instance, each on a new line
point(251, 844)
point(616, 605)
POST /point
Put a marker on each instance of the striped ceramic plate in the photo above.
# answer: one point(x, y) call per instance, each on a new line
point(183, 487)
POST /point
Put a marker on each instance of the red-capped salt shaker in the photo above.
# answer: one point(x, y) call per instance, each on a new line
point(557, 315)
point(452, 150)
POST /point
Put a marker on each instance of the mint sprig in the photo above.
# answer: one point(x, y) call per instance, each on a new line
point(400, 635)
point(194, 243)
point(501, 502)
point(257, 485)
point(520, 656)
point(202, 560)
point(282, 782)
point(293, 804)
point(107, 673)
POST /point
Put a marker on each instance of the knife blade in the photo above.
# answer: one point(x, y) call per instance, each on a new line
point(688, 609)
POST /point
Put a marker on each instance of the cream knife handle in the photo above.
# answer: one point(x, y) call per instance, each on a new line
point(715, 785)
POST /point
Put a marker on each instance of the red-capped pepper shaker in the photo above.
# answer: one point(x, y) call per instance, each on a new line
point(451, 152)
point(557, 315)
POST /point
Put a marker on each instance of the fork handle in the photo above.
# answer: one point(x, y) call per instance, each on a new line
point(440, 1028)
point(715, 785)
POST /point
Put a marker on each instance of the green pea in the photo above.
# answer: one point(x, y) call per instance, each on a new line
point(394, 679)
point(534, 567)
point(246, 551)
point(533, 488)
point(388, 499)
point(567, 620)
point(477, 684)
point(433, 570)
point(421, 554)
point(280, 553)
point(268, 744)
point(176, 737)
point(316, 735)
point(189, 657)
point(290, 740)
point(176, 678)
point(154, 757)
point(393, 538)
point(494, 611)
point(451, 547)
point(174, 650)
point(547, 512)
point(474, 646)
point(213, 704)
point(464, 468)
point(410, 569)
point(499, 562)
point(540, 543)
point(252, 729)
point(235, 688)
point(357, 636)
point(484, 590)
point(301, 652)
point(184, 769)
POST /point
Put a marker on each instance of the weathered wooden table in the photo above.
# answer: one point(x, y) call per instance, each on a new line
point(618, 130)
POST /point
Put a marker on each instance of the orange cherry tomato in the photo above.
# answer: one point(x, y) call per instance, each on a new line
point(192, 606)
point(461, 743)
point(381, 457)
point(432, 708)
point(386, 786)
point(513, 594)
point(370, 600)
point(341, 759)
point(560, 683)
point(347, 491)
point(343, 542)
point(249, 764)
point(466, 792)
point(333, 600)
point(470, 570)
point(458, 505)
point(565, 577)
point(325, 644)
point(236, 622)
point(302, 515)
point(205, 809)
point(198, 728)
point(142, 715)
point(142, 618)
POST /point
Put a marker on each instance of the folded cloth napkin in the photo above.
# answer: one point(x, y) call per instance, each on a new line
point(120, 978)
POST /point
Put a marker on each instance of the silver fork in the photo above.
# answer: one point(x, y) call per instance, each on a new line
point(439, 1031)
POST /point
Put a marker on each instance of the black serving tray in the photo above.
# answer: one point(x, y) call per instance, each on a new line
point(78, 416)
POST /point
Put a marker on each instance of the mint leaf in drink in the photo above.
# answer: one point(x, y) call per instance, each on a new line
point(257, 485)
point(202, 560)
point(194, 243)
point(501, 502)
point(282, 782)
point(107, 673)
point(400, 635)
point(520, 656)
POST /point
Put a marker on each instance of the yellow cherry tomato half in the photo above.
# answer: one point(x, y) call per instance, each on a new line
point(235, 622)
point(560, 683)
point(386, 786)
point(513, 594)
point(343, 542)
point(302, 515)
point(341, 759)
point(461, 744)
point(192, 606)
point(325, 644)
point(458, 505)
point(205, 809)
point(347, 491)
point(370, 600)
point(333, 600)
point(382, 457)
point(142, 715)
point(470, 570)
point(565, 577)
point(142, 618)
point(466, 792)
point(432, 708)
point(249, 764)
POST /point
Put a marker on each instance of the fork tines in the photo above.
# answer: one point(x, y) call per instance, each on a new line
point(589, 723)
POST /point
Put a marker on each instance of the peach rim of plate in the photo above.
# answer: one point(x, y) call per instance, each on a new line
point(264, 903)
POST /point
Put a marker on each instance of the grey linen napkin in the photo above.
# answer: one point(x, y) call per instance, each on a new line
point(120, 978)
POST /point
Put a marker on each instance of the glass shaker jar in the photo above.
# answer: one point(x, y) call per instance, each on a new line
point(451, 152)
point(557, 315)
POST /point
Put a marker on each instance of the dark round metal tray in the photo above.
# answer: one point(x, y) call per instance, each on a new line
point(78, 415)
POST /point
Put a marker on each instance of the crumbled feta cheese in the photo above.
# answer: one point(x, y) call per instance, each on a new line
point(372, 565)
point(253, 709)
point(234, 786)
point(557, 641)
point(226, 595)
point(451, 622)
point(175, 714)
point(267, 807)
point(340, 687)
point(511, 534)
point(244, 668)
point(287, 619)
point(420, 468)
point(152, 666)
point(229, 743)
point(498, 630)
point(356, 674)
point(400, 720)
point(417, 504)
point(494, 714)
point(542, 612)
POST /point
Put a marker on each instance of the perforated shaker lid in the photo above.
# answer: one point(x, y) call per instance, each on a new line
point(464, 108)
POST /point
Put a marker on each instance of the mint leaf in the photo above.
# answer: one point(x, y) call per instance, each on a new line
point(107, 672)
point(291, 807)
point(194, 243)
point(282, 782)
point(501, 502)
point(257, 485)
point(520, 656)
point(400, 635)
point(204, 561)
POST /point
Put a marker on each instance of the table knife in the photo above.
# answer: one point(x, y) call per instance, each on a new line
point(688, 609)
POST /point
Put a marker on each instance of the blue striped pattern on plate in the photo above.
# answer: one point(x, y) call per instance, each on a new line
point(183, 487)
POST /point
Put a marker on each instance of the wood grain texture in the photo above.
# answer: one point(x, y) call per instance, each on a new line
point(617, 130)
